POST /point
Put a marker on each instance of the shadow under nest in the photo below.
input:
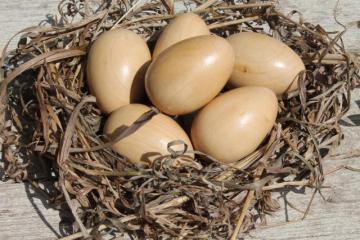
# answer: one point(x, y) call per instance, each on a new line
point(52, 129)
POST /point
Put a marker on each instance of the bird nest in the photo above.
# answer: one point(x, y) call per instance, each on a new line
point(51, 127)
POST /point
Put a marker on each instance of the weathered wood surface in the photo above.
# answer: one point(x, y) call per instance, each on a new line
point(322, 12)
point(16, 15)
point(24, 216)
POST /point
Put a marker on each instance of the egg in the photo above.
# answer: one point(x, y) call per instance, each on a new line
point(234, 124)
point(116, 68)
point(150, 141)
point(261, 60)
point(182, 27)
point(189, 74)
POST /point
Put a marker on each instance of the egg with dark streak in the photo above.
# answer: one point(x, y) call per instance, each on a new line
point(150, 141)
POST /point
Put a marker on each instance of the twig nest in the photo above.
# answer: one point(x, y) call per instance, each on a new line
point(116, 68)
point(184, 26)
point(150, 141)
point(189, 74)
point(201, 198)
point(261, 60)
point(234, 124)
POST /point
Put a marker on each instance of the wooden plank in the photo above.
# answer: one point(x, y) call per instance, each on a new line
point(337, 219)
point(16, 15)
point(25, 215)
point(322, 11)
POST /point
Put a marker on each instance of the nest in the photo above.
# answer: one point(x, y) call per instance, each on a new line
point(51, 126)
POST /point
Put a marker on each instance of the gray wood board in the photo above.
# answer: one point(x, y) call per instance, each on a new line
point(16, 15)
point(24, 216)
point(322, 11)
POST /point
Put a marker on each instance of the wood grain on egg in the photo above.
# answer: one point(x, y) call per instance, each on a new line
point(182, 27)
point(150, 141)
point(261, 60)
point(234, 124)
point(189, 74)
point(116, 67)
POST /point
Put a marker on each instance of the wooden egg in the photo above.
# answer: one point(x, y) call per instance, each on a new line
point(234, 124)
point(182, 27)
point(189, 74)
point(150, 140)
point(261, 60)
point(116, 68)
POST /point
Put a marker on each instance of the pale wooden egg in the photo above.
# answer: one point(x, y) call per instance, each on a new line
point(261, 60)
point(189, 74)
point(182, 27)
point(234, 124)
point(116, 68)
point(151, 140)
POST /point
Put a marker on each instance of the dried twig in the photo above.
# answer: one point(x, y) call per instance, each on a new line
point(235, 22)
point(246, 205)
